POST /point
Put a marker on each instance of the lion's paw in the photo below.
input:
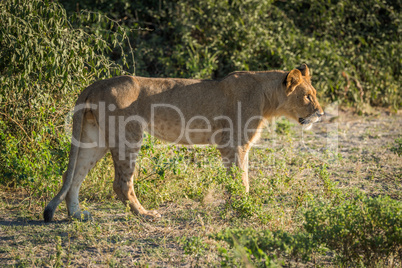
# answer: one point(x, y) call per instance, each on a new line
point(82, 216)
point(151, 215)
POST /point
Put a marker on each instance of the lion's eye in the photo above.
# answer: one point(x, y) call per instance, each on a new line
point(309, 98)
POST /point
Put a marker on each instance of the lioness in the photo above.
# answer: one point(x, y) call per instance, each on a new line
point(113, 114)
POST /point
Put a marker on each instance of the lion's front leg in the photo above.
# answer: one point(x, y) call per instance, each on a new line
point(236, 156)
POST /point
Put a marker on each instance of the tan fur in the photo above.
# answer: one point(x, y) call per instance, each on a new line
point(238, 101)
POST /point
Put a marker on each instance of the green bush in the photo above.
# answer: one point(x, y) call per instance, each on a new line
point(361, 231)
point(44, 63)
point(365, 230)
point(38, 171)
point(264, 248)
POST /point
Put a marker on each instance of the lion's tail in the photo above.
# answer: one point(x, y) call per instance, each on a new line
point(78, 119)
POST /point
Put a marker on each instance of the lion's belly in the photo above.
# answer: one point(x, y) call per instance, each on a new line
point(175, 134)
point(174, 126)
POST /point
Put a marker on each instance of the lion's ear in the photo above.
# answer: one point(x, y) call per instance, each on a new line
point(293, 79)
point(304, 70)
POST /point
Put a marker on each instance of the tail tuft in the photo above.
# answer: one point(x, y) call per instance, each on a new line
point(48, 214)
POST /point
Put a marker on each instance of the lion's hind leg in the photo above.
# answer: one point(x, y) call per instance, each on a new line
point(90, 151)
point(87, 159)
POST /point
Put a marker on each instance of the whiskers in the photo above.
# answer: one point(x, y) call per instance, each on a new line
point(308, 121)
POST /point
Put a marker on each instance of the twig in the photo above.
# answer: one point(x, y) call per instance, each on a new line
point(18, 124)
point(147, 177)
point(359, 86)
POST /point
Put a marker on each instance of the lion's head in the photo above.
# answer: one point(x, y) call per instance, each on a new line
point(301, 102)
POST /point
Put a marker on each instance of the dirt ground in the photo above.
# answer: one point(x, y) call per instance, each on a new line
point(356, 149)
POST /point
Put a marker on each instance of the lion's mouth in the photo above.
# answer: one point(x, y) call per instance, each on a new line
point(308, 122)
point(304, 121)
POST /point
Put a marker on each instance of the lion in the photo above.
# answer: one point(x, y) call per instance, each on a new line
point(112, 115)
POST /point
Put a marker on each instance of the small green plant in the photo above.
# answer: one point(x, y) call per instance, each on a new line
point(367, 230)
point(283, 126)
point(193, 245)
point(243, 204)
point(397, 148)
point(59, 252)
point(330, 188)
